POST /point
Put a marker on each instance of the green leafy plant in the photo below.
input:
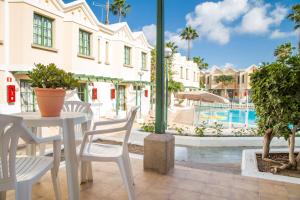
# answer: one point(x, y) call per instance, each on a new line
point(179, 130)
point(239, 132)
point(148, 127)
point(200, 129)
point(253, 132)
point(217, 128)
point(50, 76)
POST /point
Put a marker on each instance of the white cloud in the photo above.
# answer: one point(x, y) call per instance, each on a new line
point(211, 19)
point(277, 34)
point(258, 20)
point(217, 21)
point(175, 37)
point(150, 33)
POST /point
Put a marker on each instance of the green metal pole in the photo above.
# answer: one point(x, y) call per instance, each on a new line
point(167, 93)
point(140, 90)
point(86, 92)
point(136, 95)
point(160, 76)
point(117, 99)
point(151, 96)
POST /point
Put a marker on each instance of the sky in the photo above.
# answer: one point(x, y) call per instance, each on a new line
point(231, 32)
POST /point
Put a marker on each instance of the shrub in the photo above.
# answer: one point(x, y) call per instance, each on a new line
point(148, 127)
point(199, 130)
point(49, 76)
point(218, 128)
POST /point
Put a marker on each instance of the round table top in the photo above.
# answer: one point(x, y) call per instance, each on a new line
point(35, 118)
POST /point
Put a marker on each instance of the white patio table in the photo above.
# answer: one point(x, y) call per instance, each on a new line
point(66, 121)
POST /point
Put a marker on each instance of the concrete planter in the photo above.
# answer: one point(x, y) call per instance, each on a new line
point(159, 152)
point(249, 166)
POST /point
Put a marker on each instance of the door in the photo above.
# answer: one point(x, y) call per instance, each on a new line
point(122, 97)
point(82, 92)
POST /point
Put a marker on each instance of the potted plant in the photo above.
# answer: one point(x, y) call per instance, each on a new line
point(50, 84)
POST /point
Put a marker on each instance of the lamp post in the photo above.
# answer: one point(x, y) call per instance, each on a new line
point(168, 54)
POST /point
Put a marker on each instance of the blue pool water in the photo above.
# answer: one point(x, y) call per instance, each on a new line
point(233, 115)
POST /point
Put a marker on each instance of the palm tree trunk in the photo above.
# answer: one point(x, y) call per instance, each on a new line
point(119, 15)
point(299, 44)
point(189, 48)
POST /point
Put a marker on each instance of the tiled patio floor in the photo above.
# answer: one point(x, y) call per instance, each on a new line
point(183, 183)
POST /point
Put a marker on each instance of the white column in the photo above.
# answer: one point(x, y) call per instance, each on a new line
point(6, 35)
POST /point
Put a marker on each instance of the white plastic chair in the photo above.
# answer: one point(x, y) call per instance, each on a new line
point(90, 151)
point(18, 172)
point(78, 106)
point(70, 106)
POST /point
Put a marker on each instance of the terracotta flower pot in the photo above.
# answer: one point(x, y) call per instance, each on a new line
point(50, 101)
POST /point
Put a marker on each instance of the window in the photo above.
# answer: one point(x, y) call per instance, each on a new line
point(187, 74)
point(107, 53)
point(238, 79)
point(84, 43)
point(181, 72)
point(144, 61)
point(208, 80)
point(42, 31)
point(127, 55)
point(243, 79)
point(28, 100)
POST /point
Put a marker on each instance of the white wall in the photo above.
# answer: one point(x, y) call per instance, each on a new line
point(181, 61)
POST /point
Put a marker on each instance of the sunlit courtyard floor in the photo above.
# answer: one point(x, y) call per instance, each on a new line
point(182, 183)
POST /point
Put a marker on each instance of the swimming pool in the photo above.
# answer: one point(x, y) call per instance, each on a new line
point(235, 116)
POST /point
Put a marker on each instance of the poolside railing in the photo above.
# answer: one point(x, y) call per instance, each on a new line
point(249, 106)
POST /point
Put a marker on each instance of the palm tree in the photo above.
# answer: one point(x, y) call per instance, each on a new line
point(295, 17)
point(120, 8)
point(283, 51)
point(189, 34)
point(172, 46)
point(200, 63)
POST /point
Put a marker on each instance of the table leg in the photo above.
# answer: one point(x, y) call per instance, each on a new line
point(71, 159)
point(31, 148)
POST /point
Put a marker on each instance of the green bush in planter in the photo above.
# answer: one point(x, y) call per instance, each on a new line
point(50, 76)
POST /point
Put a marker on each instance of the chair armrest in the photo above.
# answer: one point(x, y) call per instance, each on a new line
point(96, 132)
point(105, 131)
point(109, 122)
point(39, 140)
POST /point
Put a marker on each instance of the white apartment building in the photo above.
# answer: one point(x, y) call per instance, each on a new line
point(238, 90)
point(186, 72)
point(111, 62)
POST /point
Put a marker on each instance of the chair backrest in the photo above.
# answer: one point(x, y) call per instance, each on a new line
point(128, 125)
point(77, 106)
point(10, 129)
